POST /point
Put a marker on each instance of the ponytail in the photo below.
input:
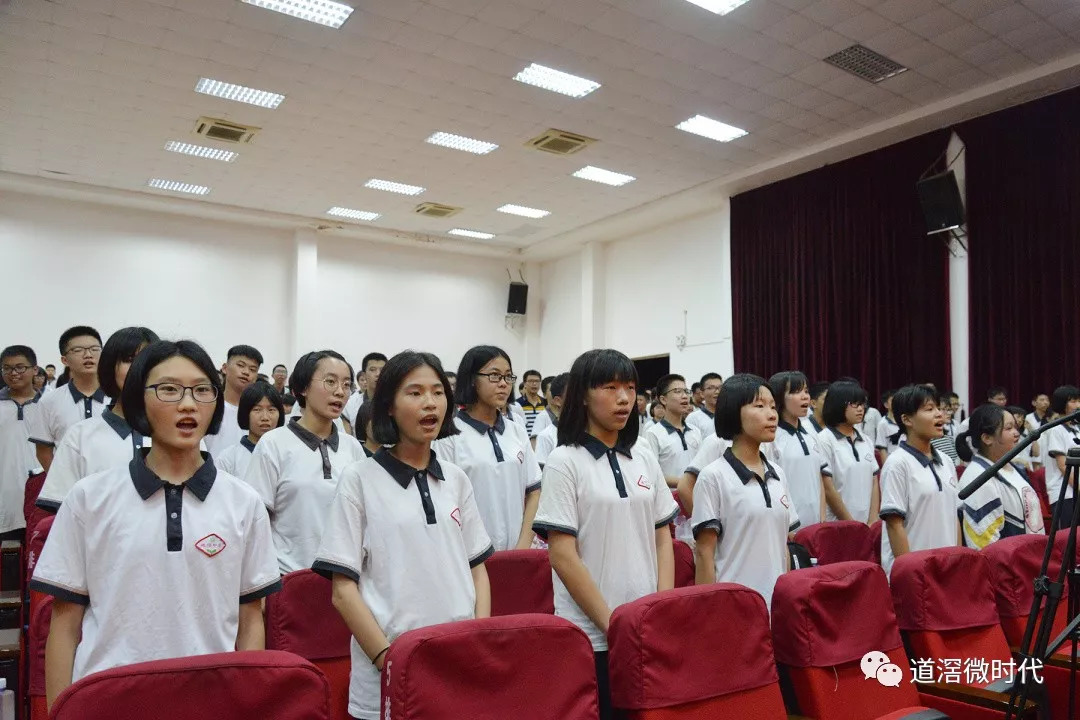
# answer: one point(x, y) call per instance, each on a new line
point(963, 446)
point(988, 419)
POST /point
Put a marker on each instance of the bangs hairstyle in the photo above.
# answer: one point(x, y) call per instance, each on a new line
point(591, 370)
point(20, 350)
point(279, 365)
point(665, 382)
point(710, 376)
point(78, 331)
point(252, 396)
point(816, 389)
point(363, 417)
point(558, 384)
point(786, 383)
point(988, 419)
point(300, 378)
point(739, 391)
point(134, 393)
point(1061, 397)
point(244, 351)
point(841, 394)
point(471, 363)
point(122, 346)
point(378, 356)
point(908, 400)
point(384, 429)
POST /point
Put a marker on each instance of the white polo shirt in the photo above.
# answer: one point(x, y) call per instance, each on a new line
point(853, 471)
point(543, 420)
point(546, 441)
point(60, 410)
point(613, 503)
point(871, 419)
point(923, 491)
point(409, 538)
point(1033, 422)
point(161, 569)
point(751, 517)
point(90, 446)
point(235, 460)
point(1059, 440)
point(703, 421)
point(228, 434)
point(886, 429)
point(711, 450)
point(17, 458)
point(810, 424)
point(502, 467)
point(672, 448)
point(298, 411)
point(796, 452)
point(352, 406)
point(296, 474)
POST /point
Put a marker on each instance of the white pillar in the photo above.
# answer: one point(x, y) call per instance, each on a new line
point(532, 351)
point(959, 325)
point(305, 297)
point(723, 276)
point(591, 296)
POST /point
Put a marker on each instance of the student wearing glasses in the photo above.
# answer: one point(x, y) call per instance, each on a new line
point(672, 441)
point(852, 492)
point(494, 452)
point(83, 398)
point(163, 557)
point(106, 440)
point(18, 404)
point(295, 469)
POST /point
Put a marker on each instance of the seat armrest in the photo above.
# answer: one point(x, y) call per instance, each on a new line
point(975, 696)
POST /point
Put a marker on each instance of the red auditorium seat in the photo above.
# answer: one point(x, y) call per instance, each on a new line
point(837, 541)
point(1037, 479)
point(873, 552)
point(35, 542)
point(491, 669)
point(301, 619)
point(37, 634)
point(824, 620)
point(31, 512)
point(224, 686)
point(684, 564)
point(694, 653)
point(520, 582)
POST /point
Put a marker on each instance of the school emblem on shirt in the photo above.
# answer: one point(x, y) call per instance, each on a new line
point(211, 545)
point(643, 483)
point(784, 501)
point(455, 515)
point(521, 456)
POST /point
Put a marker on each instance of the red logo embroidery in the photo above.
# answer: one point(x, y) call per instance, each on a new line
point(641, 483)
point(784, 501)
point(211, 545)
point(521, 456)
point(455, 515)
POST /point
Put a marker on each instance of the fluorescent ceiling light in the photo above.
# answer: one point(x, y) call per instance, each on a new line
point(471, 234)
point(239, 93)
point(556, 81)
point(712, 129)
point(201, 151)
point(180, 187)
point(457, 142)
point(720, 7)
point(323, 12)
point(394, 187)
point(523, 211)
point(601, 175)
point(353, 214)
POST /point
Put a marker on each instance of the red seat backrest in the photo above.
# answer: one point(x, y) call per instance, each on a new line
point(684, 564)
point(37, 634)
point(520, 582)
point(944, 602)
point(824, 620)
point(837, 541)
point(301, 619)
point(34, 483)
point(223, 686)
point(694, 652)
point(35, 543)
point(491, 669)
point(1037, 479)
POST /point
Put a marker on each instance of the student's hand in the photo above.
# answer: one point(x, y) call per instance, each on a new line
point(380, 662)
point(606, 624)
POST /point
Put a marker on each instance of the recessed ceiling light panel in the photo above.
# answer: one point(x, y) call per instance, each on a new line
point(322, 12)
point(471, 234)
point(201, 151)
point(556, 81)
point(712, 129)
point(353, 214)
point(523, 211)
point(600, 175)
point(239, 93)
point(720, 7)
point(394, 187)
point(180, 187)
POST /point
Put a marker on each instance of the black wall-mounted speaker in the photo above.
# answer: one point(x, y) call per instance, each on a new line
point(941, 204)
point(518, 299)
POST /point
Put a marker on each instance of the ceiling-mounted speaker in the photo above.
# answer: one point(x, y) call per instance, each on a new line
point(518, 299)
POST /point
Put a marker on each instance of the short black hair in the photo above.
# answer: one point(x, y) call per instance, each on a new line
point(908, 400)
point(886, 396)
point(15, 350)
point(279, 365)
point(50, 365)
point(841, 394)
point(710, 376)
point(786, 383)
point(592, 369)
point(384, 429)
point(664, 383)
point(451, 374)
point(1061, 397)
point(133, 396)
point(739, 391)
point(263, 377)
point(816, 389)
point(529, 373)
point(122, 346)
point(1016, 410)
point(369, 357)
point(694, 387)
point(252, 396)
point(288, 399)
point(558, 384)
point(74, 332)
point(954, 395)
point(1038, 395)
point(995, 391)
point(244, 351)
point(986, 419)
point(363, 417)
point(300, 377)
point(472, 361)
point(545, 383)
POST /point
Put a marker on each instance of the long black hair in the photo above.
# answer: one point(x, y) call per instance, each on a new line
point(987, 419)
point(383, 428)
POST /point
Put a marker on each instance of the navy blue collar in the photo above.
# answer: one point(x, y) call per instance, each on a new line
point(791, 429)
point(5, 394)
point(480, 426)
point(671, 428)
point(923, 460)
point(117, 423)
point(598, 449)
point(704, 410)
point(246, 442)
point(147, 483)
point(841, 436)
point(311, 439)
point(746, 474)
point(403, 473)
point(77, 396)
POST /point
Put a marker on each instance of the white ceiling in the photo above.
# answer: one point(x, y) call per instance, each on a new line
point(94, 89)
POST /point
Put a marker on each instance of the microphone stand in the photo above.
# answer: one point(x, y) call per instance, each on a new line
point(1037, 644)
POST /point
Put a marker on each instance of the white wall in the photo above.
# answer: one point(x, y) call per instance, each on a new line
point(560, 306)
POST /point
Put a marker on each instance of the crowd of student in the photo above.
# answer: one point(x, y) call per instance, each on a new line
point(397, 482)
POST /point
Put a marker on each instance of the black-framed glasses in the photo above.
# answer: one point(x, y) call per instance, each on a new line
point(332, 384)
point(14, 369)
point(495, 378)
point(79, 350)
point(174, 392)
point(678, 391)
